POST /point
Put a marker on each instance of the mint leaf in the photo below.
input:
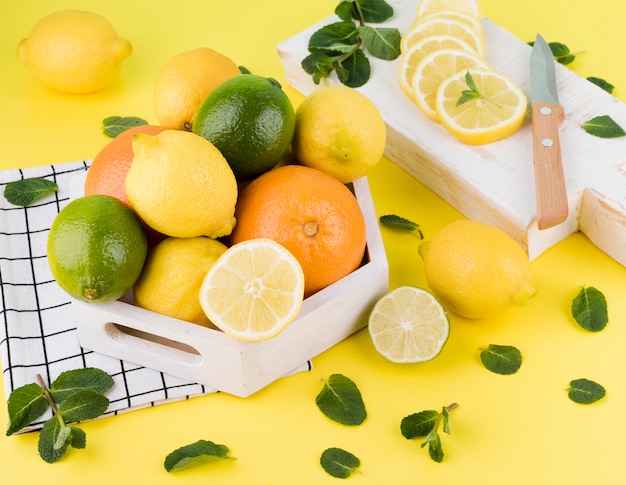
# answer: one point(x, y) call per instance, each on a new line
point(607, 86)
point(589, 309)
point(561, 53)
point(604, 127)
point(25, 404)
point(341, 401)
point(82, 405)
point(584, 391)
point(75, 380)
point(339, 463)
point(383, 43)
point(26, 191)
point(392, 220)
point(201, 451)
point(420, 424)
point(114, 125)
point(52, 443)
point(340, 46)
point(435, 450)
point(501, 359)
point(78, 437)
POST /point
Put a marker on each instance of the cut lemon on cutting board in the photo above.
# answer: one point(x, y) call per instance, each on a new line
point(418, 51)
point(409, 325)
point(470, 7)
point(498, 113)
point(433, 69)
point(472, 22)
point(254, 290)
point(442, 26)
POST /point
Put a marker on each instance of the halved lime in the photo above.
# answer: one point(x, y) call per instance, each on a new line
point(409, 325)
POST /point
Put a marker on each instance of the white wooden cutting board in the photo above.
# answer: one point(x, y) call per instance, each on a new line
point(494, 183)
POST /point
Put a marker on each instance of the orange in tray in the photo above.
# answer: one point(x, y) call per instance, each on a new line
point(309, 212)
point(107, 172)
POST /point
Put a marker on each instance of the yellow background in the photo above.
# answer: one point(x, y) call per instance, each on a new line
point(517, 429)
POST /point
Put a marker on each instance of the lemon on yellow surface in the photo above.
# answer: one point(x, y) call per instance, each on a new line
point(477, 270)
point(183, 83)
point(499, 113)
point(339, 131)
point(254, 290)
point(96, 248)
point(74, 51)
point(250, 119)
point(469, 7)
point(433, 69)
point(172, 276)
point(181, 185)
point(410, 59)
point(408, 325)
point(442, 26)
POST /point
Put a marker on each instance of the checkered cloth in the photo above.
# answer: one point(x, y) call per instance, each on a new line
point(37, 332)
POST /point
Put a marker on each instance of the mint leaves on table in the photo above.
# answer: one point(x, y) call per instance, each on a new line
point(76, 395)
point(392, 220)
point(114, 125)
point(501, 359)
point(604, 127)
point(26, 191)
point(584, 391)
point(426, 424)
point(341, 46)
point(589, 309)
point(202, 451)
point(339, 463)
point(607, 86)
point(341, 401)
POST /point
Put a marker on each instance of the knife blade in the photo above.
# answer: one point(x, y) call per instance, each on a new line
point(547, 115)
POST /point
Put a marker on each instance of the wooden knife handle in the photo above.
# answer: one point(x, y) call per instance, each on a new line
point(552, 205)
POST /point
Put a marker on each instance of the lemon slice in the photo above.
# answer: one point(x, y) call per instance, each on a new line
point(433, 69)
point(409, 325)
point(254, 290)
point(481, 121)
point(442, 26)
point(470, 7)
point(472, 22)
point(418, 51)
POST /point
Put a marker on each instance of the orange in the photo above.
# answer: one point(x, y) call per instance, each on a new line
point(107, 173)
point(312, 214)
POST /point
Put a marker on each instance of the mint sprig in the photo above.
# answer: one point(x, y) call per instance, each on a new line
point(425, 424)
point(74, 396)
point(473, 93)
point(341, 46)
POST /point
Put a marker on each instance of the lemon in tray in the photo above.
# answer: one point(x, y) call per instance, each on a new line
point(96, 248)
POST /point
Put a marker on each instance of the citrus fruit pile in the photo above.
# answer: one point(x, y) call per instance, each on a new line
point(444, 72)
point(241, 202)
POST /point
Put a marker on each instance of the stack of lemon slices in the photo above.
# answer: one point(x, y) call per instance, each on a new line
point(443, 57)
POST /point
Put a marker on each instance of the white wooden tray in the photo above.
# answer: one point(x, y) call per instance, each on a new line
point(494, 183)
point(210, 357)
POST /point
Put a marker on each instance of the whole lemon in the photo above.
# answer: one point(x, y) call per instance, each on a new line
point(250, 119)
point(339, 131)
point(477, 270)
point(74, 51)
point(96, 248)
point(173, 274)
point(181, 185)
point(183, 83)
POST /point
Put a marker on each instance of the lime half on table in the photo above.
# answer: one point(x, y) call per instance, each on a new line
point(408, 325)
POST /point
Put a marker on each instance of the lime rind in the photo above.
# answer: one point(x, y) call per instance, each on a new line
point(409, 325)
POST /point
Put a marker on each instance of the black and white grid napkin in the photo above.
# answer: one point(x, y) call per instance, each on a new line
point(37, 332)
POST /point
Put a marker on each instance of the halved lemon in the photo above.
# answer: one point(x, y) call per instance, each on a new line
point(254, 290)
point(442, 26)
point(409, 325)
point(433, 69)
point(470, 7)
point(418, 51)
point(498, 114)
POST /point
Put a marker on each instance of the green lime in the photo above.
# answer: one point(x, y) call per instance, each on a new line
point(249, 119)
point(96, 248)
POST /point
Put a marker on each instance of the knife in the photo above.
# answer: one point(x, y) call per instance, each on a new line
point(547, 116)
